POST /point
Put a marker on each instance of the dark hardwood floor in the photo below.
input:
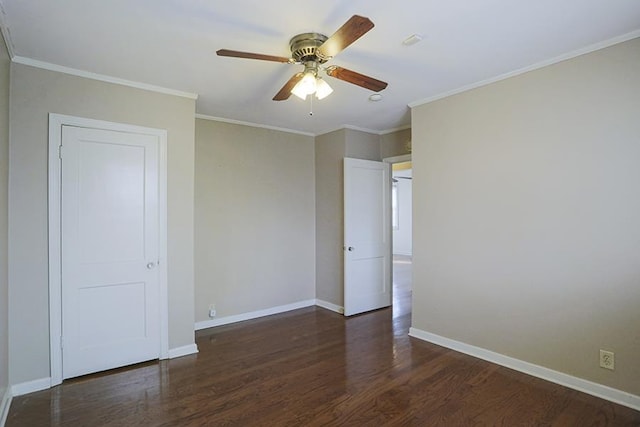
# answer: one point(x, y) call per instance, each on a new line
point(313, 367)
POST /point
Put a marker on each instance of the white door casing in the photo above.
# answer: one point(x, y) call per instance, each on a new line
point(367, 236)
point(108, 295)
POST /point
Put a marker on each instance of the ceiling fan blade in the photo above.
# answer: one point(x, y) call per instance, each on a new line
point(285, 92)
point(351, 31)
point(356, 78)
point(249, 55)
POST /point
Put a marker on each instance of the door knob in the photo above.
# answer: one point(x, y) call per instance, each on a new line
point(150, 265)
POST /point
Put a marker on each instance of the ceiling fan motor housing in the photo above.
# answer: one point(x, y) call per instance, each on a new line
point(304, 46)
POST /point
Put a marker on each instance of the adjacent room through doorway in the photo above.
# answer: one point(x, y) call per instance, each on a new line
point(401, 218)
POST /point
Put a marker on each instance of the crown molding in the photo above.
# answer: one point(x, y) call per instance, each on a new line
point(573, 54)
point(361, 129)
point(299, 132)
point(101, 77)
point(6, 34)
point(350, 127)
point(255, 125)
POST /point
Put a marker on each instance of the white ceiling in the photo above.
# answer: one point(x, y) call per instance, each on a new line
point(172, 44)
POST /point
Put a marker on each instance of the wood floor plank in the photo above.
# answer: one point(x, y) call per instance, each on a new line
point(313, 367)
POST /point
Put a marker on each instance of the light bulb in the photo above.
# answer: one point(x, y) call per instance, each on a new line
point(308, 82)
point(306, 86)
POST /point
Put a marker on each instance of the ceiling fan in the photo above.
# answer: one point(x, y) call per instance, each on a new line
point(312, 50)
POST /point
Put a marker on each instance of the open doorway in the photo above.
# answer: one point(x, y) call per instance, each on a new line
point(401, 226)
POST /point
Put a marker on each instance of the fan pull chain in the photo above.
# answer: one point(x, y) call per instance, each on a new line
point(311, 105)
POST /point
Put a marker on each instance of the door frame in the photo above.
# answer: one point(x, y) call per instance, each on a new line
point(393, 160)
point(396, 159)
point(56, 121)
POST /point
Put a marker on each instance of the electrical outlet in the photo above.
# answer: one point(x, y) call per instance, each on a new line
point(607, 359)
point(212, 311)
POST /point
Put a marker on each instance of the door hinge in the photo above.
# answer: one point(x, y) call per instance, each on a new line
point(60, 151)
point(61, 341)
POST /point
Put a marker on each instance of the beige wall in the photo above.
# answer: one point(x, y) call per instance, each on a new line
point(526, 210)
point(254, 218)
point(395, 143)
point(35, 93)
point(362, 145)
point(329, 152)
point(4, 208)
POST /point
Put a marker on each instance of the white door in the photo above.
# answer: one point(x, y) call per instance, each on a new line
point(110, 249)
point(367, 236)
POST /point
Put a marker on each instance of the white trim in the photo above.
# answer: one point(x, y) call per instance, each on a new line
point(185, 350)
point(366, 130)
point(55, 251)
point(594, 389)
point(163, 258)
point(255, 125)
point(56, 121)
point(299, 132)
point(101, 77)
point(5, 405)
point(30, 386)
point(350, 127)
point(542, 64)
point(359, 129)
point(398, 159)
point(4, 28)
point(324, 132)
point(330, 306)
point(253, 314)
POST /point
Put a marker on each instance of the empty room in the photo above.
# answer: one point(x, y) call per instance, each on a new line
point(340, 213)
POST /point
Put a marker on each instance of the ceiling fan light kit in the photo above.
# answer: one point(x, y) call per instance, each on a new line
point(311, 83)
point(312, 50)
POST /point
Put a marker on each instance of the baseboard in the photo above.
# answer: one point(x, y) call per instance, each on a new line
point(30, 386)
point(330, 306)
point(611, 394)
point(5, 405)
point(185, 350)
point(253, 314)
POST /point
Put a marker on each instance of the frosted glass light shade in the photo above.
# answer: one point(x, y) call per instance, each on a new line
point(299, 91)
point(305, 87)
point(322, 89)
